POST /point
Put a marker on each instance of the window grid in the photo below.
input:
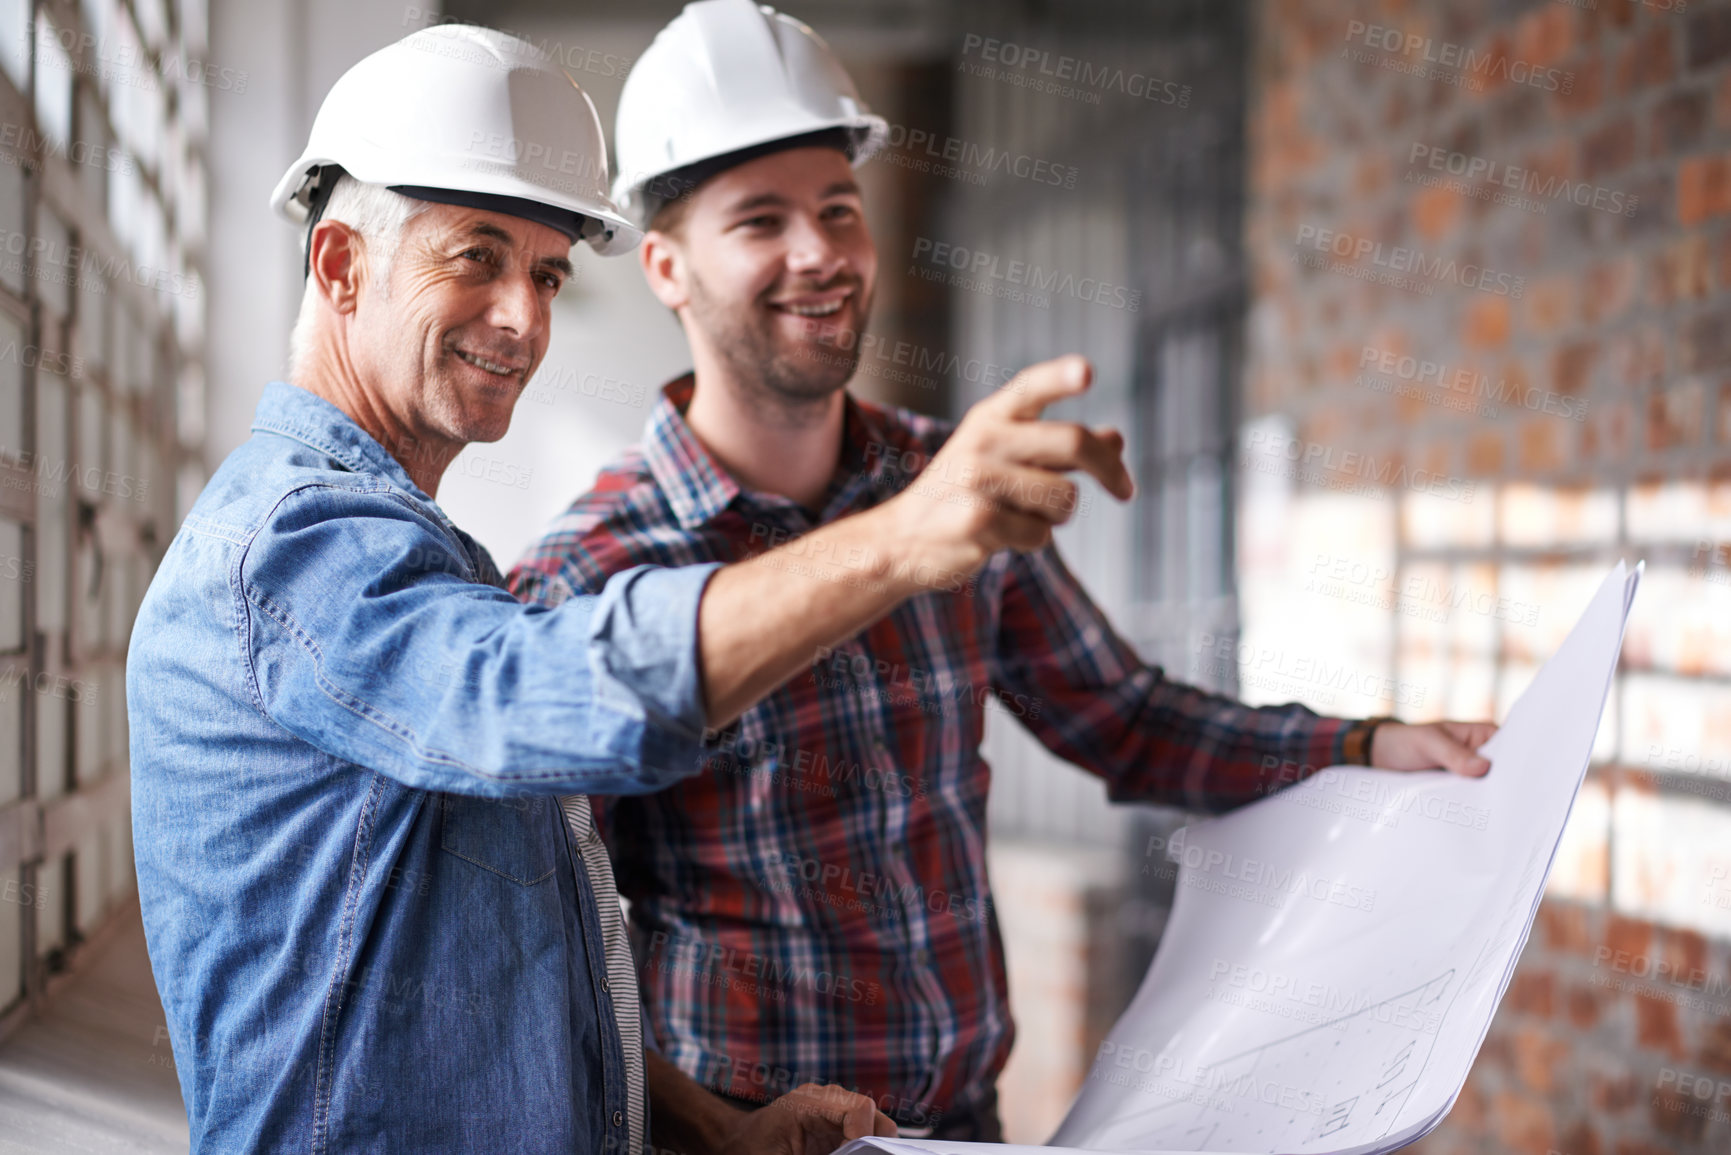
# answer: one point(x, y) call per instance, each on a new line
point(102, 114)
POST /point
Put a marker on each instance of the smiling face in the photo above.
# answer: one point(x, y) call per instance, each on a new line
point(447, 345)
point(771, 269)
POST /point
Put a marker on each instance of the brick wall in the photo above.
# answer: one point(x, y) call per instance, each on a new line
point(1489, 353)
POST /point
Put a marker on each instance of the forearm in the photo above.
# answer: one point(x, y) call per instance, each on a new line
point(685, 1116)
point(762, 620)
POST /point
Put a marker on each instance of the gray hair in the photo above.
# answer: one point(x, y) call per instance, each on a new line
point(375, 212)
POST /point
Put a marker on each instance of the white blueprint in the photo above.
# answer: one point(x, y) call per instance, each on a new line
point(1336, 951)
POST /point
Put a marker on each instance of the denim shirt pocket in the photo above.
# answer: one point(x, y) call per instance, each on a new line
point(515, 838)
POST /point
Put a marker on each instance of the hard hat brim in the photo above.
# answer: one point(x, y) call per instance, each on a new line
point(607, 232)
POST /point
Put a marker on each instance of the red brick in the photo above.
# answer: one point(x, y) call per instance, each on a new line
point(1609, 288)
point(1615, 14)
point(1532, 992)
point(1541, 448)
point(1627, 935)
point(1647, 60)
point(1656, 1026)
point(1722, 102)
point(1550, 303)
point(1434, 212)
point(1686, 953)
point(1675, 417)
point(1613, 1094)
point(1538, 1058)
point(1570, 366)
point(1707, 39)
point(1608, 150)
point(1588, 91)
point(1523, 1124)
point(1638, 356)
point(1678, 123)
point(1585, 1004)
point(1715, 1050)
point(1606, 434)
point(1545, 36)
point(1677, 1115)
point(1565, 927)
point(1638, 1147)
point(1485, 453)
point(1580, 1139)
point(1703, 188)
point(1487, 323)
point(1682, 271)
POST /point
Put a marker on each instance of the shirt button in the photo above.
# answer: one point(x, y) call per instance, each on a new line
point(618, 1118)
point(606, 987)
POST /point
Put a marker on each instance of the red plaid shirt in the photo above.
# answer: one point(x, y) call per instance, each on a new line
point(814, 905)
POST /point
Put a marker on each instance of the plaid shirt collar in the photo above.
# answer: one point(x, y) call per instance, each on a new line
point(699, 488)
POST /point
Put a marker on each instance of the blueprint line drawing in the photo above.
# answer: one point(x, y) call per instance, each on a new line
point(1336, 951)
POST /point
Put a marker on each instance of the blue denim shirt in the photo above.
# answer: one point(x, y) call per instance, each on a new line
point(364, 912)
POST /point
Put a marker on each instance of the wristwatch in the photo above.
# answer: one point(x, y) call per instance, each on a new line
point(1355, 747)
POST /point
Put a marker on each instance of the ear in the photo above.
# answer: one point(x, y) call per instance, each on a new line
point(664, 268)
point(337, 262)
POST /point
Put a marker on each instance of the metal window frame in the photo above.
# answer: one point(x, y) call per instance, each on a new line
point(39, 836)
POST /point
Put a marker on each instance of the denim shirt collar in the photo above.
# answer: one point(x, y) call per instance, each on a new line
point(294, 412)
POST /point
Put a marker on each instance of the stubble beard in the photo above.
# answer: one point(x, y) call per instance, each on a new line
point(790, 386)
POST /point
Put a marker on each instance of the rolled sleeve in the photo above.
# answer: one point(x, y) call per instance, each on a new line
point(643, 648)
point(368, 636)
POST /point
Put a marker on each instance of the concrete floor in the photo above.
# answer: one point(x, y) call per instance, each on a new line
point(93, 1073)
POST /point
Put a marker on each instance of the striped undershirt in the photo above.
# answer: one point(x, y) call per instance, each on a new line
point(621, 970)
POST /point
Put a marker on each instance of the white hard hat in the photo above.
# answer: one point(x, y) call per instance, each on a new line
point(469, 116)
point(725, 77)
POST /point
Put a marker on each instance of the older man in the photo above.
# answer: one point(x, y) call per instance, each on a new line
point(371, 923)
point(840, 831)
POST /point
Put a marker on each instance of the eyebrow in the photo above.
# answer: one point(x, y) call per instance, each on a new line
point(494, 232)
point(774, 199)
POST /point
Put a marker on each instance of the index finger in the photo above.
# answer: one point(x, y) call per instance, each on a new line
point(1028, 393)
